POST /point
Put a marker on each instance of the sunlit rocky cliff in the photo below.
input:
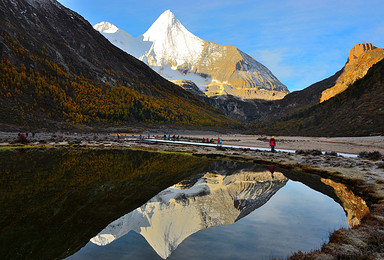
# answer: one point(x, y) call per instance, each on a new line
point(360, 60)
point(178, 212)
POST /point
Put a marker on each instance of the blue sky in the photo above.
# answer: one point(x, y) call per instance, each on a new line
point(300, 41)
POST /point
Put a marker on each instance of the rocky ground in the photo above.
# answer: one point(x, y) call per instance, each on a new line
point(352, 145)
point(364, 176)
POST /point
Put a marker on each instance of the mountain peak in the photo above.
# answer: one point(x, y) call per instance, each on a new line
point(164, 26)
point(172, 42)
point(167, 15)
point(106, 27)
point(357, 50)
point(361, 58)
point(166, 18)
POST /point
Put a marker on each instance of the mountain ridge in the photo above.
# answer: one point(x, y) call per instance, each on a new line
point(337, 83)
point(175, 53)
point(356, 68)
point(361, 58)
point(53, 73)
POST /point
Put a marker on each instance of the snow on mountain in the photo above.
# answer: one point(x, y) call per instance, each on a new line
point(173, 43)
point(176, 213)
point(107, 27)
point(176, 54)
point(122, 39)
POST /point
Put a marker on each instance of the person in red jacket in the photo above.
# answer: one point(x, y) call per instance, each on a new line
point(272, 144)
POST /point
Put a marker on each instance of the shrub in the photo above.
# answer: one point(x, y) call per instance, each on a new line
point(374, 156)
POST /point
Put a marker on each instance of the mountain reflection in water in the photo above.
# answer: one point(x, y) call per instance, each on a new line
point(53, 201)
point(178, 212)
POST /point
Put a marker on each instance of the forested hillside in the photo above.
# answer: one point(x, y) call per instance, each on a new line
point(55, 69)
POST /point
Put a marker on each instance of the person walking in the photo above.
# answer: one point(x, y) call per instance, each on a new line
point(272, 144)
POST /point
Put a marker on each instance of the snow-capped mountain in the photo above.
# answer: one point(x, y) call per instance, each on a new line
point(176, 54)
point(178, 212)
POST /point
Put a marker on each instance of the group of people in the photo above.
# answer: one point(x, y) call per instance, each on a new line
point(23, 137)
point(207, 140)
point(174, 137)
point(272, 141)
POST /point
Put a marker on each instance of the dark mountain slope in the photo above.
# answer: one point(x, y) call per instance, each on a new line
point(359, 110)
point(56, 67)
point(304, 98)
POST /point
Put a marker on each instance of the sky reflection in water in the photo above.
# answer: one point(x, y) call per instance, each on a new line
point(295, 218)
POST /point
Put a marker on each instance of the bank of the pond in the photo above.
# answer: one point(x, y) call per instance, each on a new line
point(364, 177)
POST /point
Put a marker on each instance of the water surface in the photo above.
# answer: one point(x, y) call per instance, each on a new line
point(268, 218)
point(120, 204)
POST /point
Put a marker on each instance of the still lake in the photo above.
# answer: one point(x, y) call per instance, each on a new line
point(123, 204)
